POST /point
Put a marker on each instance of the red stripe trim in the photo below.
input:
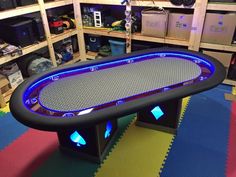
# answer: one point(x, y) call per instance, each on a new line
point(26, 153)
point(231, 160)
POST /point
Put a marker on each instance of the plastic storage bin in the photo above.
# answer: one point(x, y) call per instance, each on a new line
point(17, 31)
point(117, 47)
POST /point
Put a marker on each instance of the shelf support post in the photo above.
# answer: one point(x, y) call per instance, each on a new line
point(197, 24)
point(79, 28)
point(47, 32)
point(128, 25)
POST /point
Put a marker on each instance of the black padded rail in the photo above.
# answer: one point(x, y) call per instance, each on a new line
point(32, 119)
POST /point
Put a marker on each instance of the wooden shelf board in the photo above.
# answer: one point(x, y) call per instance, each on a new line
point(158, 3)
point(58, 3)
point(230, 48)
point(91, 55)
point(25, 50)
point(65, 34)
point(140, 37)
point(147, 3)
point(19, 11)
point(175, 41)
point(229, 82)
point(104, 32)
point(222, 6)
point(166, 40)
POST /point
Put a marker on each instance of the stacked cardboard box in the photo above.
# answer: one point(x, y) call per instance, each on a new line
point(154, 23)
point(219, 28)
point(179, 25)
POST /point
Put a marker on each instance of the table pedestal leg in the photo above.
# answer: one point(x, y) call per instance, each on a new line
point(90, 143)
point(163, 117)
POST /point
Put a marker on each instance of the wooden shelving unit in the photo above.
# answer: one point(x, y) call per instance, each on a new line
point(194, 43)
point(50, 38)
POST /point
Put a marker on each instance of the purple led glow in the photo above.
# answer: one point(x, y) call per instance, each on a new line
point(30, 97)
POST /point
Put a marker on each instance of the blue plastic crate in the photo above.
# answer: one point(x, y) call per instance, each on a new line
point(117, 47)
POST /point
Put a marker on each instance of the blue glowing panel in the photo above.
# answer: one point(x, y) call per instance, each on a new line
point(108, 130)
point(77, 138)
point(157, 112)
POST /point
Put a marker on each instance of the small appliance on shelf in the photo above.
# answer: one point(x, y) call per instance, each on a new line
point(56, 25)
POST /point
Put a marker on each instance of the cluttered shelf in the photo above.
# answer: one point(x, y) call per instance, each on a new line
point(24, 51)
point(136, 36)
point(19, 11)
point(65, 34)
point(222, 6)
point(230, 48)
point(57, 3)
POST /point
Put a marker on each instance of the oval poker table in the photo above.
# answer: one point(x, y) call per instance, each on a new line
point(90, 92)
point(83, 101)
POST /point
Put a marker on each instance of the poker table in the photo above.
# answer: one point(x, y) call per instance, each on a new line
point(82, 102)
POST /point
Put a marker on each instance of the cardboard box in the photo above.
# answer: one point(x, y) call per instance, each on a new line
point(179, 25)
point(13, 74)
point(219, 28)
point(4, 87)
point(15, 79)
point(224, 58)
point(154, 23)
